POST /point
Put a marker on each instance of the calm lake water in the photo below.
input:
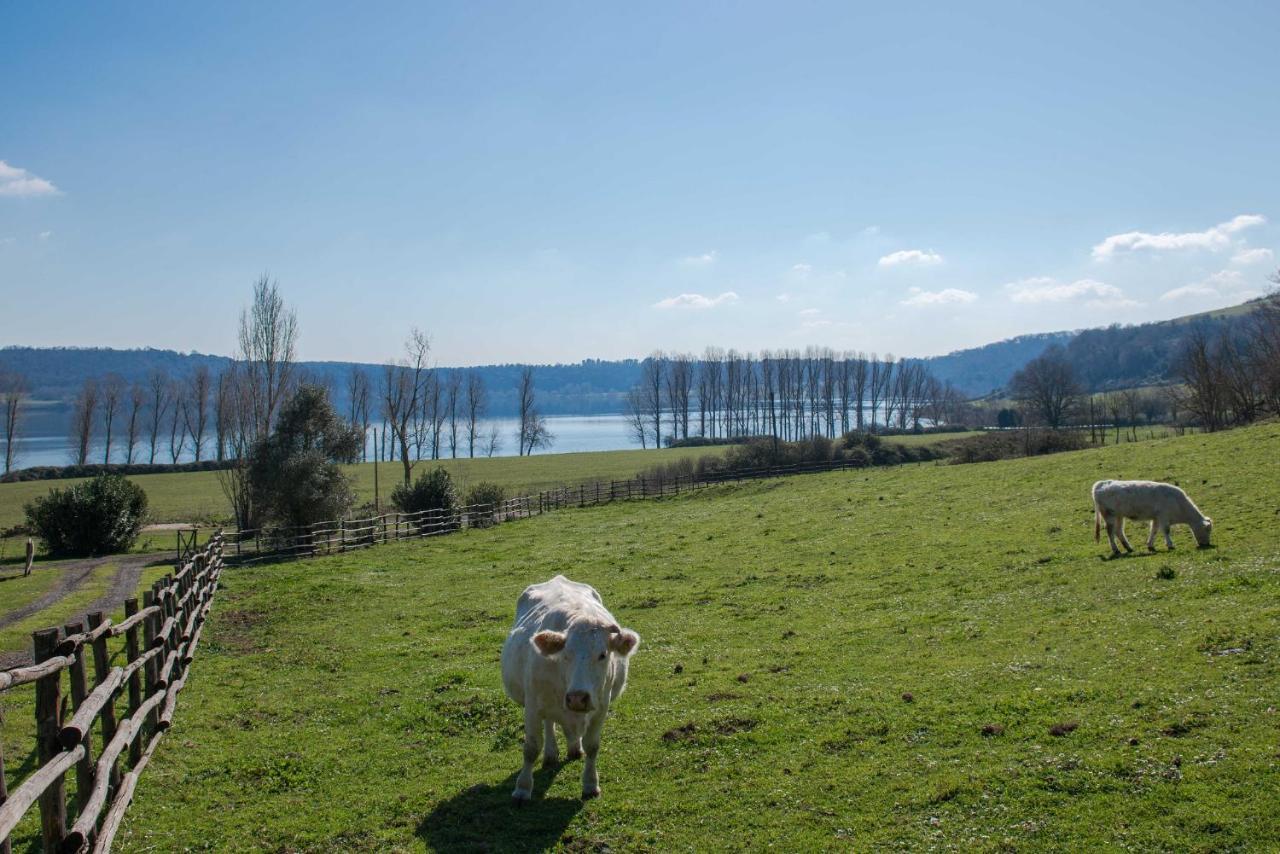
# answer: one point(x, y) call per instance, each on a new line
point(572, 433)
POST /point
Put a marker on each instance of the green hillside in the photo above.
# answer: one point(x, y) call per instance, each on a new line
point(838, 661)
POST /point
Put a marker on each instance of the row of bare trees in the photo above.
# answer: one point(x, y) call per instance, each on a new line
point(162, 416)
point(1234, 378)
point(788, 394)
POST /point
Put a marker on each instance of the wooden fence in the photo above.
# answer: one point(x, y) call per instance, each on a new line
point(342, 535)
point(106, 753)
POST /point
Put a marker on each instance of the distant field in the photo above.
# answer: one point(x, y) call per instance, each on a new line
point(860, 660)
point(197, 496)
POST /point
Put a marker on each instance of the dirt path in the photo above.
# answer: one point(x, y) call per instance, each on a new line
point(72, 575)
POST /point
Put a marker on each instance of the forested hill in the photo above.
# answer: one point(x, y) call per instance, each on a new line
point(1112, 357)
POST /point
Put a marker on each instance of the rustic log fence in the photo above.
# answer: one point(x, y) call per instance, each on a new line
point(160, 639)
point(342, 535)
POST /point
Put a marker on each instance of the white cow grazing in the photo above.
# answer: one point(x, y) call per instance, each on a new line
point(1163, 503)
point(565, 661)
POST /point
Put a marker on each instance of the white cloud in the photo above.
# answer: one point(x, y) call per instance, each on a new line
point(20, 182)
point(819, 237)
point(45, 235)
point(697, 301)
point(1224, 284)
point(911, 256)
point(1044, 289)
point(946, 296)
point(1252, 256)
point(702, 260)
point(784, 297)
point(1214, 239)
point(809, 312)
point(801, 269)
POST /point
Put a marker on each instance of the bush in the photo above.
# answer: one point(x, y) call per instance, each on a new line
point(433, 490)
point(1010, 444)
point(484, 499)
point(96, 517)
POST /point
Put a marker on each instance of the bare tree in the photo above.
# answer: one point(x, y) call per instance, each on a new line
point(402, 392)
point(268, 339)
point(651, 382)
point(14, 391)
point(177, 428)
point(453, 399)
point(358, 401)
point(158, 386)
point(492, 441)
point(476, 404)
point(137, 400)
point(195, 409)
point(1205, 393)
point(1047, 387)
point(532, 432)
point(84, 415)
point(679, 385)
point(223, 412)
point(112, 394)
point(637, 417)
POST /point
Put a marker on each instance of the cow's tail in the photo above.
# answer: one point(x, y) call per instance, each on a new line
point(1097, 525)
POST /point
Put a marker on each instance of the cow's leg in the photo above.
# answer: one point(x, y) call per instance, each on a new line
point(591, 746)
point(1168, 540)
point(532, 747)
point(1124, 541)
point(1151, 537)
point(550, 750)
point(1111, 534)
point(573, 743)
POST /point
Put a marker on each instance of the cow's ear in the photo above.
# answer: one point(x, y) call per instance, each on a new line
point(549, 642)
point(624, 641)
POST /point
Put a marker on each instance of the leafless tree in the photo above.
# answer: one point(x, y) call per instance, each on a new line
point(223, 412)
point(652, 377)
point(14, 391)
point(492, 441)
point(158, 387)
point(532, 432)
point(137, 402)
point(679, 387)
point(268, 340)
point(1047, 387)
point(177, 428)
point(637, 416)
point(195, 409)
point(453, 400)
point(1205, 393)
point(476, 404)
point(358, 401)
point(402, 391)
point(112, 394)
point(84, 416)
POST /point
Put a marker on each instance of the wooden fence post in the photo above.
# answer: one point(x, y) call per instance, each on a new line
point(132, 652)
point(150, 627)
point(101, 669)
point(53, 803)
point(80, 690)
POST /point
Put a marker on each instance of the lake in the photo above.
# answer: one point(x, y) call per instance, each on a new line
point(572, 433)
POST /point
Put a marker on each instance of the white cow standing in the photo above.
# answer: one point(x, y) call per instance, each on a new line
point(1163, 503)
point(565, 661)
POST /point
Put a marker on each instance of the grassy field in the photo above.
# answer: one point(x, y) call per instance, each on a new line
point(926, 656)
point(198, 497)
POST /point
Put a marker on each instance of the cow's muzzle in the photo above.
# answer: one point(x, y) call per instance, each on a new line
point(578, 701)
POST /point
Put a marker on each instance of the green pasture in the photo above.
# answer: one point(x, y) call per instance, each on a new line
point(930, 656)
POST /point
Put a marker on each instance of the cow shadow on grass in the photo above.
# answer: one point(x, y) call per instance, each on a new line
point(483, 818)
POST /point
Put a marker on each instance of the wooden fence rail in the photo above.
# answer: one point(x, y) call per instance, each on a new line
point(153, 671)
point(341, 535)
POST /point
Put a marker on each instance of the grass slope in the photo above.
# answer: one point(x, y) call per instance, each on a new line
point(821, 656)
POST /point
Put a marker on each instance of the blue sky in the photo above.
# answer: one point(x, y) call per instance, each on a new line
point(550, 182)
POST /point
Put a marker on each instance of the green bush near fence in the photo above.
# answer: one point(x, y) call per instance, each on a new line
point(100, 516)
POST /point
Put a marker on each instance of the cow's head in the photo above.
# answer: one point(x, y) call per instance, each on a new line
point(586, 651)
point(1203, 531)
